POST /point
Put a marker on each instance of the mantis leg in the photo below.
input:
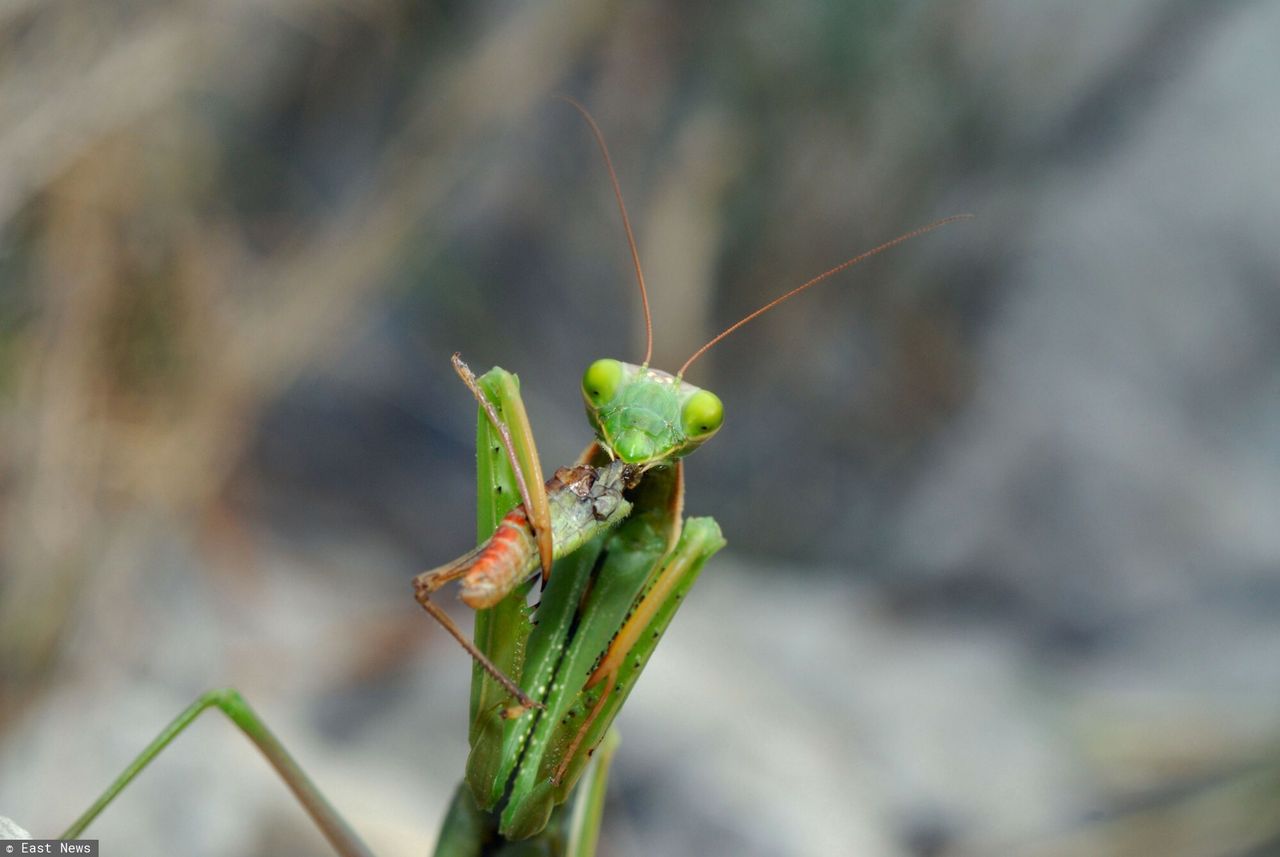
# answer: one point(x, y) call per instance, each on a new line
point(516, 435)
point(508, 428)
point(639, 634)
point(340, 835)
point(501, 631)
point(629, 652)
point(636, 587)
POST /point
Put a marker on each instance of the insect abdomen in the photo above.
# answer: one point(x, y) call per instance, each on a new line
point(583, 501)
point(509, 556)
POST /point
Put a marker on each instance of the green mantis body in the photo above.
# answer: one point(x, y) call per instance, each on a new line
point(616, 583)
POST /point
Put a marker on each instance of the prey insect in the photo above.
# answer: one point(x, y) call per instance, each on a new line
point(606, 538)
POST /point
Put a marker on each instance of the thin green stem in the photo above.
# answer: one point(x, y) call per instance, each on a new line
point(229, 701)
point(588, 808)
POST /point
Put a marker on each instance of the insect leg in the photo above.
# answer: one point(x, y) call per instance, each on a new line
point(428, 582)
point(340, 835)
point(516, 437)
point(629, 650)
point(637, 576)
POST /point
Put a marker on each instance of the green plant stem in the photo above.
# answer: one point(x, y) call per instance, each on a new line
point(588, 808)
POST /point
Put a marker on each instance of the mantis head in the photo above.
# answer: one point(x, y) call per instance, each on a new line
point(646, 416)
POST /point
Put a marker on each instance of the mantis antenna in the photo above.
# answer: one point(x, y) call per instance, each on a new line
point(914, 233)
point(626, 221)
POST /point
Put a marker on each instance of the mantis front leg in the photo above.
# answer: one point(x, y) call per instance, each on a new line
point(640, 574)
point(502, 432)
point(510, 423)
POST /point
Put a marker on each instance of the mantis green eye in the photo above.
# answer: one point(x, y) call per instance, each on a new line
point(601, 381)
point(702, 414)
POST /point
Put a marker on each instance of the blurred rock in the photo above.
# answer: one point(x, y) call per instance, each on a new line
point(1001, 505)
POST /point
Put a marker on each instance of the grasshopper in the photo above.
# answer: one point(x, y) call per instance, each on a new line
point(606, 538)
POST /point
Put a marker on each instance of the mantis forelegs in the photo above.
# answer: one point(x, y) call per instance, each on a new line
point(509, 428)
point(516, 436)
point(636, 585)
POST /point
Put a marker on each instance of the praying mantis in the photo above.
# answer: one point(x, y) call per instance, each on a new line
point(625, 560)
point(607, 540)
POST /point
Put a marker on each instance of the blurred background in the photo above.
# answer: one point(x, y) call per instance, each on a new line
point(1002, 504)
